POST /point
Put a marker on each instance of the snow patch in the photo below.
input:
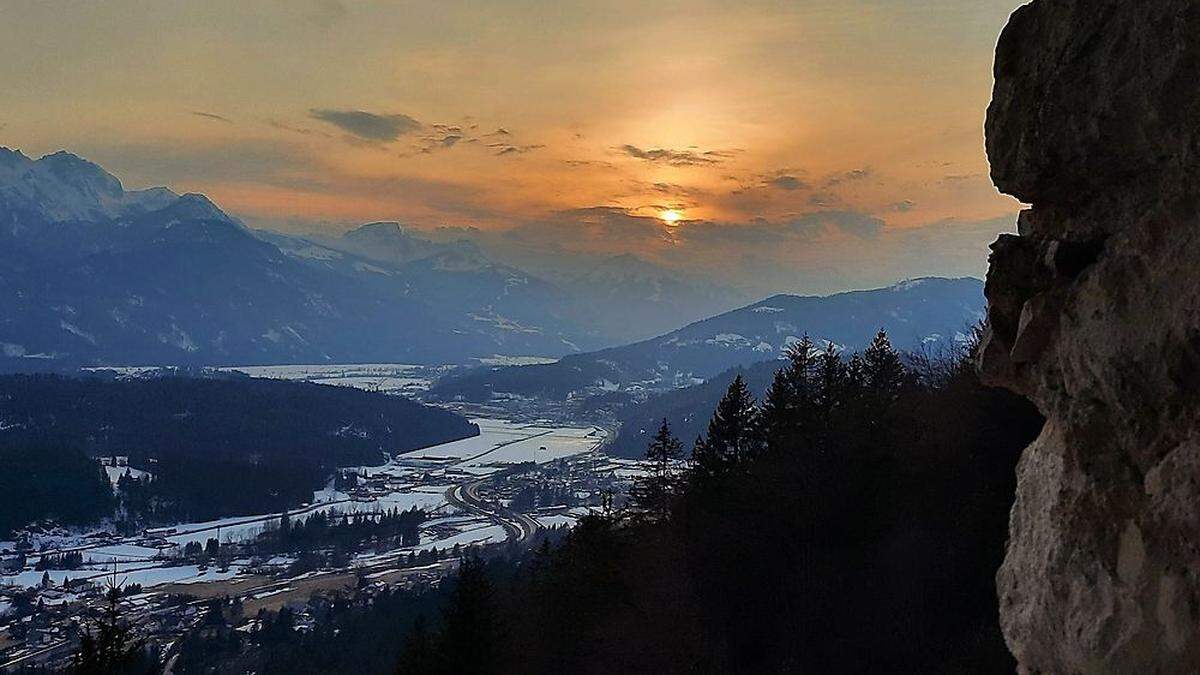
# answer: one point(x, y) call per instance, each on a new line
point(178, 338)
point(76, 330)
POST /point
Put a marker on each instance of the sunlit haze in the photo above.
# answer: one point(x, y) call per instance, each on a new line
point(792, 146)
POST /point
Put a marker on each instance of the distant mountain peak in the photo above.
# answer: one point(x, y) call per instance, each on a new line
point(63, 186)
point(10, 157)
point(389, 241)
point(195, 206)
point(81, 174)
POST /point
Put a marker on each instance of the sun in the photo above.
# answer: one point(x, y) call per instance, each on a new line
point(670, 216)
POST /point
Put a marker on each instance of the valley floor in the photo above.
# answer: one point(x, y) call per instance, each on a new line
point(468, 487)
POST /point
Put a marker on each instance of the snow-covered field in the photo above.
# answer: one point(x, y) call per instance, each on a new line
point(504, 442)
point(499, 360)
point(115, 473)
point(417, 479)
point(145, 575)
point(557, 520)
point(384, 377)
point(242, 528)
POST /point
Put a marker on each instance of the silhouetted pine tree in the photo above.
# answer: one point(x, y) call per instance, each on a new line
point(883, 370)
point(110, 649)
point(834, 388)
point(787, 407)
point(419, 656)
point(733, 433)
point(652, 493)
point(470, 641)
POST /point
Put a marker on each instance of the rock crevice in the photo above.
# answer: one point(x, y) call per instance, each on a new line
point(1094, 314)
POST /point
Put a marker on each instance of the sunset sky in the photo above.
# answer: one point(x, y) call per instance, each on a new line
point(812, 145)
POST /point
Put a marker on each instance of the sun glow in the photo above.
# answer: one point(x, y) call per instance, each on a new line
point(670, 216)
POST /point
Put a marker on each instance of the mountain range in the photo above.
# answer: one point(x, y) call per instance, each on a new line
point(920, 314)
point(94, 274)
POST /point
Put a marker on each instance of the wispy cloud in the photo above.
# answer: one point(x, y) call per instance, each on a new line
point(687, 157)
point(368, 126)
point(212, 116)
point(506, 149)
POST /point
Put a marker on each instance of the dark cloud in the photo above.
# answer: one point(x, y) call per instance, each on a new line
point(368, 126)
point(212, 116)
point(675, 157)
point(787, 182)
point(506, 149)
point(438, 137)
point(847, 177)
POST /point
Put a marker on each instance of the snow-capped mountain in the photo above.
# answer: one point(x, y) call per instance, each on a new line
point(93, 274)
point(62, 187)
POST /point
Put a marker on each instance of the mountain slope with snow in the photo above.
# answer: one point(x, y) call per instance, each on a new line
point(92, 274)
point(918, 314)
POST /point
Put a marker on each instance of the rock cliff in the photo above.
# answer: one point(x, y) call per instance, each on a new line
point(1095, 316)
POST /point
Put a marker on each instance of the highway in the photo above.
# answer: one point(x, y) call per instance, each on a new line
point(518, 526)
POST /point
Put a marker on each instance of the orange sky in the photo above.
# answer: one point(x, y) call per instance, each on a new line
point(321, 114)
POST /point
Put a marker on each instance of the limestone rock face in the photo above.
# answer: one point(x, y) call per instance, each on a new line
point(1095, 316)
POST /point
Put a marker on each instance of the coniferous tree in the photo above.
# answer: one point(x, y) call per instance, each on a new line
point(787, 407)
point(652, 493)
point(733, 433)
point(832, 388)
point(110, 648)
point(883, 370)
point(470, 640)
point(419, 656)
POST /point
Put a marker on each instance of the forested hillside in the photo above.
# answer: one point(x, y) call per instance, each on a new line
point(686, 409)
point(216, 446)
point(921, 314)
point(50, 481)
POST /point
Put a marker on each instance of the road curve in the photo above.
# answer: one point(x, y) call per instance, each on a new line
point(518, 526)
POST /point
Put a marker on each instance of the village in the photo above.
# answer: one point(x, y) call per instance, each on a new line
point(401, 525)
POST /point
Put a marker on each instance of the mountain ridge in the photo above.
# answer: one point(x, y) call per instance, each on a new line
point(95, 275)
point(925, 313)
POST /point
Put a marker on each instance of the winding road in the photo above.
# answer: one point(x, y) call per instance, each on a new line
point(518, 526)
